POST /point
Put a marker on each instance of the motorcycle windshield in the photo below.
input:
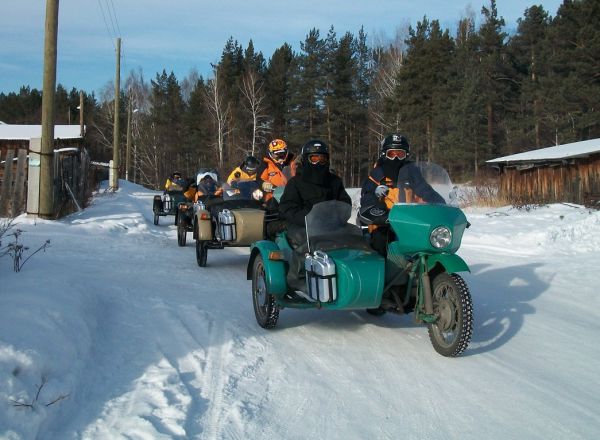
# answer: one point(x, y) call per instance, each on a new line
point(240, 190)
point(329, 219)
point(439, 180)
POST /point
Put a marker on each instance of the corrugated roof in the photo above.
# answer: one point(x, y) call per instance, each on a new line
point(556, 153)
point(26, 132)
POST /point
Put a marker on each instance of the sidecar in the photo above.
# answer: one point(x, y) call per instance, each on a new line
point(166, 204)
point(334, 267)
point(235, 219)
point(185, 209)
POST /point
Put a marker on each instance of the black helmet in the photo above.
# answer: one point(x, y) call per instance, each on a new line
point(315, 146)
point(250, 164)
point(177, 173)
point(394, 141)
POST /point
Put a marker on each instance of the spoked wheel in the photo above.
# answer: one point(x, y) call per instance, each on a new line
point(156, 219)
point(451, 333)
point(181, 233)
point(201, 252)
point(265, 307)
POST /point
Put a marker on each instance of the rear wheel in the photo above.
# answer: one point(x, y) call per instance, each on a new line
point(265, 307)
point(452, 303)
point(201, 252)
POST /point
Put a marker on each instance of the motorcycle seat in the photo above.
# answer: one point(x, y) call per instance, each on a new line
point(348, 237)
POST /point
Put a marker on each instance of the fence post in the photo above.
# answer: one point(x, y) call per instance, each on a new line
point(7, 179)
point(33, 177)
point(19, 190)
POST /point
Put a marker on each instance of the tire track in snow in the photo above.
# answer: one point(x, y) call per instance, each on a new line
point(214, 385)
point(218, 367)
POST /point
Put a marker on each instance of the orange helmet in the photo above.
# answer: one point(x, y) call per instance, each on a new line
point(278, 150)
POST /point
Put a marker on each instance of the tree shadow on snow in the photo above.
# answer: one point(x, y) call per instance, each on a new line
point(501, 300)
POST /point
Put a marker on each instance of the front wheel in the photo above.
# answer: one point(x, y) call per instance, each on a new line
point(181, 233)
point(452, 304)
point(156, 219)
point(265, 307)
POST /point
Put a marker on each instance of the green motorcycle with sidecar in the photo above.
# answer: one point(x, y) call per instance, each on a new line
point(330, 265)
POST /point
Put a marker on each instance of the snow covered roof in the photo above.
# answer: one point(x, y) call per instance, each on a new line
point(556, 153)
point(26, 132)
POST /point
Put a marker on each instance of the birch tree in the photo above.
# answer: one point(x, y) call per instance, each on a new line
point(252, 90)
point(220, 111)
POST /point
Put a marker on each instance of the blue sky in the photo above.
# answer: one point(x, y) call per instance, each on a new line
point(180, 35)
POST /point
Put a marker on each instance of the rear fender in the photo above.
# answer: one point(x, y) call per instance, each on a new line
point(275, 273)
point(203, 226)
point(450, 262)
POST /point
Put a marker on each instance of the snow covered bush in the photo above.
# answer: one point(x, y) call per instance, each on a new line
point(16, 249)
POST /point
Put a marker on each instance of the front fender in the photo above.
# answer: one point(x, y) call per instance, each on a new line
point(275, 273)
point(450, 262)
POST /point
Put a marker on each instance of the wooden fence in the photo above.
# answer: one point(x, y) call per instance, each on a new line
point(71, 180)
point(13, 182)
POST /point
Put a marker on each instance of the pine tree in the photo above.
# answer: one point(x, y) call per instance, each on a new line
point(166, 115)
point(197, 133)
point(530, 50)
point(574, 85)
point(277, 90)
point(461, 145)
point(423, 92)
point(307, 90)
point(495, 74)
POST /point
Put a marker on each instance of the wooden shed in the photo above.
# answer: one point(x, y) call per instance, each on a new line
point(563, 173)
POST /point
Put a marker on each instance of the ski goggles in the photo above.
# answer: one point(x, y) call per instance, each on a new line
point(393, 153)
point(320, 158)
point(279, 154)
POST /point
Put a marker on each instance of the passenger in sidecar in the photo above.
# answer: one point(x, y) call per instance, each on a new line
point(312, 183)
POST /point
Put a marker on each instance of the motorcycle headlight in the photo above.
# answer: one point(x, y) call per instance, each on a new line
point(257, 194)
point(440, 237)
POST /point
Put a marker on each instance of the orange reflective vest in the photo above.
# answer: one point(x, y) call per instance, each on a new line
point(273, 172)
point(395, 194)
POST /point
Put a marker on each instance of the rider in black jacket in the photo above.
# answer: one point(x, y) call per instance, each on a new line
point(313, 183)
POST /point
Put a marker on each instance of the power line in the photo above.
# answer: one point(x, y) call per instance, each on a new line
point(115, 15)
point(110, 18)
point(110, 37)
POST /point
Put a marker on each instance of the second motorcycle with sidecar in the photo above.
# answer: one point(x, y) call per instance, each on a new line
point(237, 218)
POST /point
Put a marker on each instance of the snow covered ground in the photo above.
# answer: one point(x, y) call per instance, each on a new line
point(132, 340)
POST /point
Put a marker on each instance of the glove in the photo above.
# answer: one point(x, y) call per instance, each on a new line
point(381, 191)
point(375, 215)
point(267, 187)
point(379, 213)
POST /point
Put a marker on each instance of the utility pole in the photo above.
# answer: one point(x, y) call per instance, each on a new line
point(128, 153)
point(46, 206)
point(115, 175)
point(81, 133)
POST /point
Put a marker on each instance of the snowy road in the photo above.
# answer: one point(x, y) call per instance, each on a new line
point(148, 345)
